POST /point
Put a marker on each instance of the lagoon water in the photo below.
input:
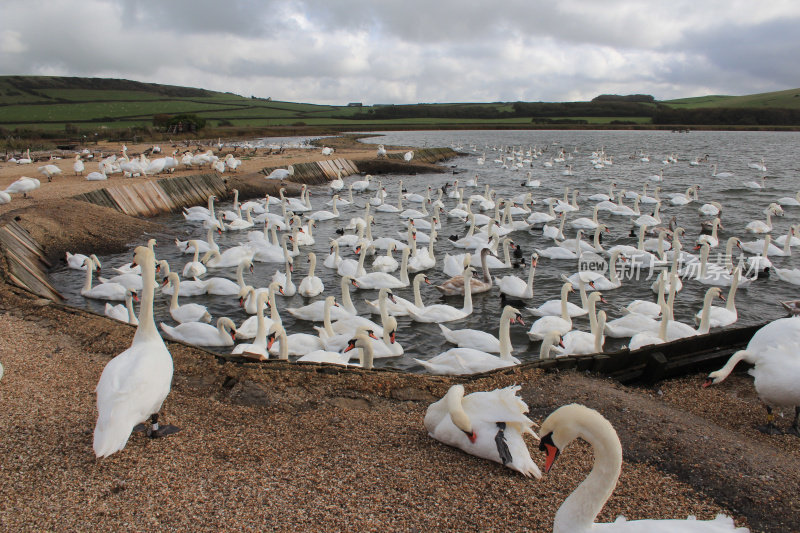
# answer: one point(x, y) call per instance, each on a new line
point(732, 151)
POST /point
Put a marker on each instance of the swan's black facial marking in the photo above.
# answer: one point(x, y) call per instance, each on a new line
point(502, 445)
point(472, 436)
point(547, 445)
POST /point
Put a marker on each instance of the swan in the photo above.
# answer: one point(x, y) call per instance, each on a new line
point(647, 338)
point(23, 185)
point(516, 287)
point(351, 267)
point(678, 330)
point(758, 226)
point(249, 327)
point(579, 510)
point(408, 156)
point(400, 306)
point(284, 279)
point(188, 288)
point(443, 312)
point(715, 174)
point(78, 167)
point(124, 313)
point(281, 173)
point(387, 345)
point(723, 316)
point(586, 223)
point(552, 232)
point(258, 348)
point(773, 351)
point(712, 239)
point(311, 285)
point(481, 340)
point(315, 311)
point(187, 312)
point(361, 185)
point(241, 223)
point(334, 259)
point(598, 280)
point(229, 258)
point(78, 261)
point(711, 209)
point(683, 199)
point(490, 425)
point(646, 307)
point(547, 324)
point(580, 342)
point(756, 185)
point(348, 327)
point(553, 307)
point(378, 280)
point(322, 216)
point(48, 171)
point(789, 201)
point(135, 383)
point(456, 284)
point(103, 291)
point(202, 334)
point(387, 263)
point(381, 152)
point(194, 268)
point(629, 325)
point(789, 275)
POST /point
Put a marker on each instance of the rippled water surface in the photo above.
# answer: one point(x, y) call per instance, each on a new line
point(732, 151)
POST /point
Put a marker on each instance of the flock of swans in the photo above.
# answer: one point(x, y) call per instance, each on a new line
point(488, 424)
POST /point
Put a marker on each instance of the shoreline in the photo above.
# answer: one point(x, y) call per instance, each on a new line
point(313, 447)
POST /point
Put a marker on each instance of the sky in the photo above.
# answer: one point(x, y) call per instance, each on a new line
point(411, 51)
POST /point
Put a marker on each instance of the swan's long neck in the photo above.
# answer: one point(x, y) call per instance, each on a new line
point(579, 510)
point(147, 325)
point(467, 294)
point(404, 267)
point(598, 334)
point(176, 286)
point(129, 306)
point(531, 274)
point(367, 355)
point(417, 294)
point(705, 314)
point(731, 306)
point(283, 352)
point(347, 303)
point(87, 286)
point(564, 310)
point(240, 275)
point(612, 274)
point(261, 331)
point(505, 334)
point(726, 370)
point(313, 260)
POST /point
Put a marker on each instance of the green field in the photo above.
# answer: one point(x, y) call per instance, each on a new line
point(789, 99)
point(87, 106)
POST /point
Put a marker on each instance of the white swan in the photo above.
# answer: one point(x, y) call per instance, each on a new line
point(78, 261)
point(378, 280)
point(580, 342)
point(188, 312)
point(647, 338)
point(516, 287)
point(446, 313)
point(284, 279)
point(202, 334)
point(773, 350)
point(311, 285)
point(258, 348)
point(579, 510)
point(134, 384)
point(400, 306)
point(229, 258)
point(103, 291)
point(194, 268)
point(482, 340)
point(549, 323)
point(490, 425)
point(724, 316)
point(124, 313)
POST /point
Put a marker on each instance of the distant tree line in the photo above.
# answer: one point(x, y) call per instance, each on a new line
point(646, 98)
point(727, 116)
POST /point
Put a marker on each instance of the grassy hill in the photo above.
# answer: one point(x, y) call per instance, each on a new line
point(789, 99)
point(87, 106)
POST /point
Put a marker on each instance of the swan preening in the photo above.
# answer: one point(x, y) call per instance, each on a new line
point(579, 510)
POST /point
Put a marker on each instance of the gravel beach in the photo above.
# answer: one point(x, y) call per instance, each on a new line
point(288, 447)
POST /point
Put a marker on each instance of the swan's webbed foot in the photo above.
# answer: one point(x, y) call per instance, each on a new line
point(153, 430)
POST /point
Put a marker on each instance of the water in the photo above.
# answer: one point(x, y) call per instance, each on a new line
point(732, 151)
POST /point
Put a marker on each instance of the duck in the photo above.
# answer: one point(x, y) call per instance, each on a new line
point(124, 313)
point(773, 350)
point(188, 312)
point(580, 509)
point(202, 334)
point(482, 340)
point(311, 285)
point(490, 425)
point(443, 312)
point(135, 383)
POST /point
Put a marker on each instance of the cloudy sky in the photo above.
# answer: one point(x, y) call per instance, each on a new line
point(392, 51)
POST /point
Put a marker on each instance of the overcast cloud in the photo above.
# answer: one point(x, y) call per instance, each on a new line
point(390, 51)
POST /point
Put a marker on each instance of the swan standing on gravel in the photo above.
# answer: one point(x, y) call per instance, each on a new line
point(579, 510)
point(489, 425)
point(774, 352)
point(134, 384)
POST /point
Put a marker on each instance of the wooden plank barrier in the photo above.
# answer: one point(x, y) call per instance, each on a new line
point(26, 261)
point(318, 172)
